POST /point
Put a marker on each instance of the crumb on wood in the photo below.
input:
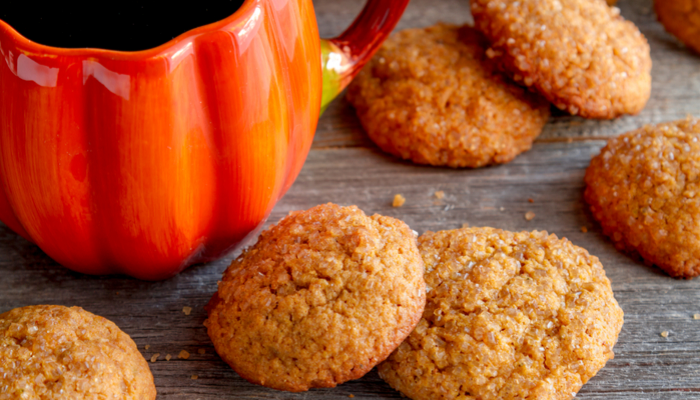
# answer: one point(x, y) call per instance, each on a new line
point(148, 346)
point(155, 357)
point(187, 310)
point(168, 357)
point(201, 351)
point(440, 194)
point(351, 396)
point(696, 316)
point(502, 208)
point(530, 201)
point(195, 377)
point(584, 229)
point(664, 334)
point(399, 200)
point(184, 354)
point(529, 215)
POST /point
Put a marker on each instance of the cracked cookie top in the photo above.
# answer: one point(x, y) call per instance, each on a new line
point(56, 352)
point(644, 189)
point(320, 299)
point(432, 96)
point(580, 54)
point(508, 316)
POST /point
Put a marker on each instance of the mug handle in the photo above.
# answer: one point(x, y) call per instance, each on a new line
point(344, 56)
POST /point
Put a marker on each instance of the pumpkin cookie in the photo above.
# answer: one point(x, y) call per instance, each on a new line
point(508, 316)
point(681, 18)
point(431, 95)
point(644, 189)
point(320, 299)
point(52, 352)
point(581, 54)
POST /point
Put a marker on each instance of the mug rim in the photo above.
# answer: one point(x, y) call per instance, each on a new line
point(32, 46)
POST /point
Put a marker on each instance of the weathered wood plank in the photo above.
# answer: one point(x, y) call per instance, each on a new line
point(647, 366)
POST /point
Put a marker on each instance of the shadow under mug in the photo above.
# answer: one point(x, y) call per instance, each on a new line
point(143, 163)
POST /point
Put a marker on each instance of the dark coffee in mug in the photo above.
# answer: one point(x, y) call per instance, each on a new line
point(126, 25)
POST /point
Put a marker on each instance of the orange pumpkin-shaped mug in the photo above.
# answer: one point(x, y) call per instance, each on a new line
point(143, 163)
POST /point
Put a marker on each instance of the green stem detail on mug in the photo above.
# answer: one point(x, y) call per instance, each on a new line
point(335, 66)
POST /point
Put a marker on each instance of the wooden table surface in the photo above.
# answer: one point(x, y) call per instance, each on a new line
point(344, 167)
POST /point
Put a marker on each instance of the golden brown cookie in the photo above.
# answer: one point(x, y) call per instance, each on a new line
point(320, 299)
point(508, 316)
point(56, 352)
point(681, 18)
point(581, 54)
point(644, 189)
point(432, 96)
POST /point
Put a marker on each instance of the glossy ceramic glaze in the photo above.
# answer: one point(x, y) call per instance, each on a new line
point(146, 162)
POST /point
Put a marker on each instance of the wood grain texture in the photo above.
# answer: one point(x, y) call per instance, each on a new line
point(346, 168)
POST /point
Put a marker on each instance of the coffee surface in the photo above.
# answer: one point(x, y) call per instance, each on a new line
point(126, 25)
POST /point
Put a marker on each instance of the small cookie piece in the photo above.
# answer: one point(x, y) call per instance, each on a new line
point(644, 189)
point(320, 299)
point(431, 95)
point(56, 352)
point(681, 18)
point(508, 316)
point(580, 54)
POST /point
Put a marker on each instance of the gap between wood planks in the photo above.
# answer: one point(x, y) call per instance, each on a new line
point(543, 140)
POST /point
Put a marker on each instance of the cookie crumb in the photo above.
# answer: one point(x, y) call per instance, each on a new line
point(195, 377)
point(184, 354)
point(664, 334)
point(187, 310)
point(155, 357)
point(529, 215)
point(502, 208)
point(530, 201)
point(148, 346)
point(168, 357)
point(584, 229)
point(399, 200)
point(351, 396)
point(201, 351)
point(440, 194)
point(696, 316)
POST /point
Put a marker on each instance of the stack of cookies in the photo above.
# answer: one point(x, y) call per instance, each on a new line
point(458, 96)
point(474, 313)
